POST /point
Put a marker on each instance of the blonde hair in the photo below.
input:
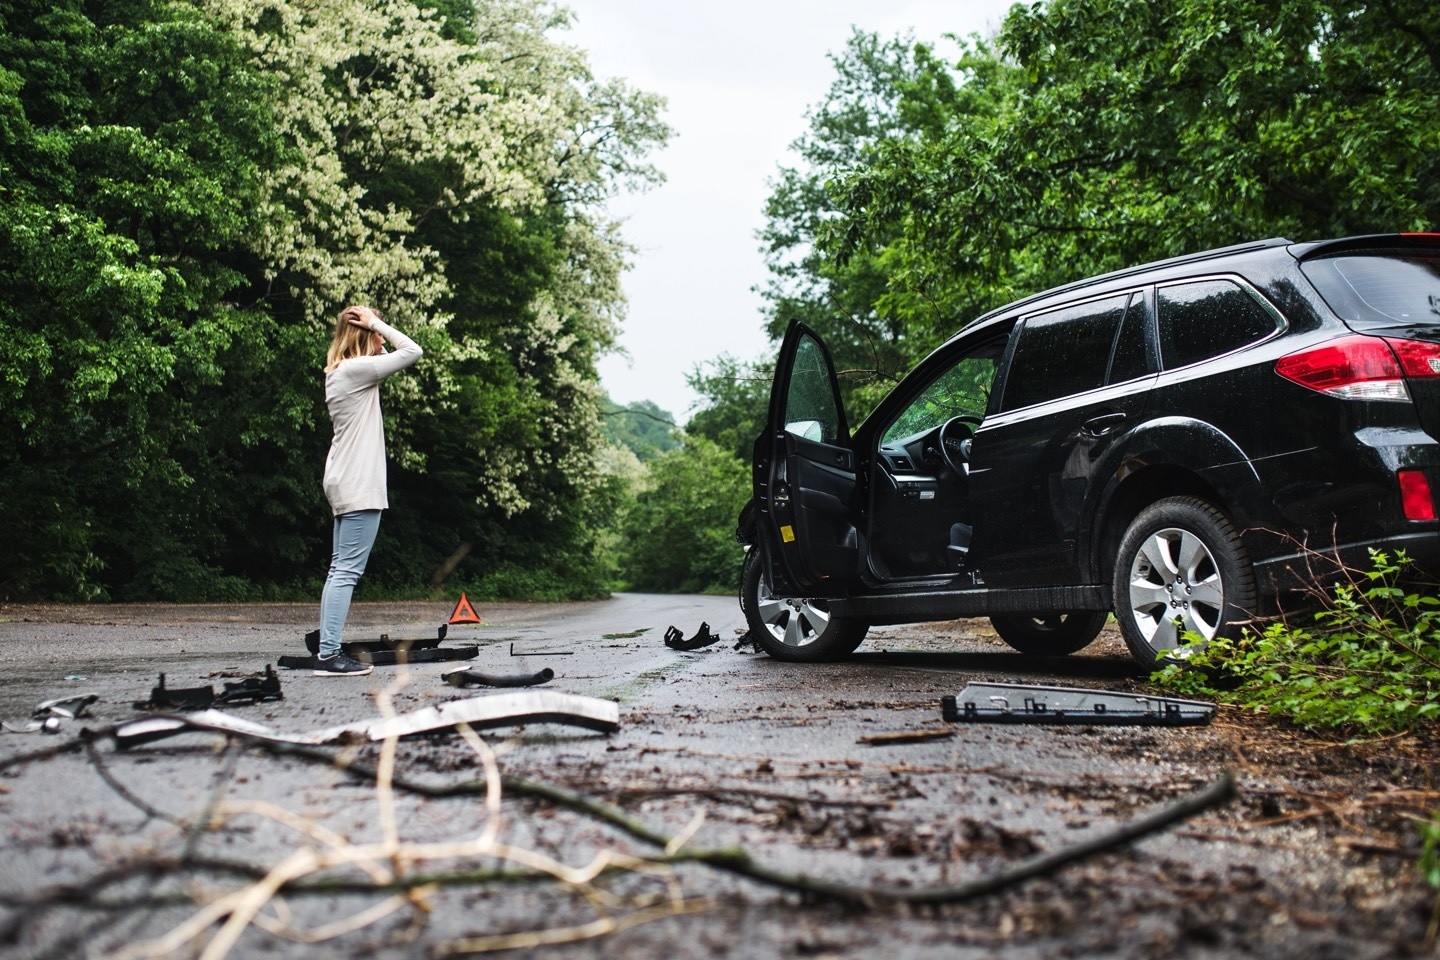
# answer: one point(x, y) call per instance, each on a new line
point(349, 341)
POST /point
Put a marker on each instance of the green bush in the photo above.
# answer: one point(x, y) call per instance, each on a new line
point(1370, 665)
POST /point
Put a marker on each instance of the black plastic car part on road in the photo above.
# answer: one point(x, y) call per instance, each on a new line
point(1185, 443)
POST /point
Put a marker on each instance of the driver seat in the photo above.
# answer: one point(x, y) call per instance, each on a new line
point(960, 534)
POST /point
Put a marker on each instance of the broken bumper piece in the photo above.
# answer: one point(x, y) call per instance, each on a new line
point(675, 640)
point(1018, 703)
point(387, 652)
point(252, 689)
point(480, 713)
point(51, 713)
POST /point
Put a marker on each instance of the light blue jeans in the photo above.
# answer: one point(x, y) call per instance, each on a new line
point(354, 536)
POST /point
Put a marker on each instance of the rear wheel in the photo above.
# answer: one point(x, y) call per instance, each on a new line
point(1050, 634)
point(794, 629)
point(1181, 568)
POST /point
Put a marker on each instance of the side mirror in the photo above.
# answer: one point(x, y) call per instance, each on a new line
point(807, 430)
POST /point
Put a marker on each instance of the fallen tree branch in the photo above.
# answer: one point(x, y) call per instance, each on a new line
point(298, 873)
point(737, 861)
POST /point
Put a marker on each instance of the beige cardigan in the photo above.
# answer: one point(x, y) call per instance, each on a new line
point(355, 466)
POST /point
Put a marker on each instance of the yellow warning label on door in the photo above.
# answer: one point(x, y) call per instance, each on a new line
point(787, 533)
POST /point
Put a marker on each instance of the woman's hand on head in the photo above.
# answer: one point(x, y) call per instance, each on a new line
point(366, 318)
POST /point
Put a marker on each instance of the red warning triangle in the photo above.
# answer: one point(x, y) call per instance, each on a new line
point(464, 613)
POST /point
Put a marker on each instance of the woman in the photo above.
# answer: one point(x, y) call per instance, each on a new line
point(355, 468)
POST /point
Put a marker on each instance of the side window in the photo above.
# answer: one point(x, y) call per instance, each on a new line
point(1207, 318)
point(962, 390)
point(811, 408)
point(1063, 352)
point(1130, 359)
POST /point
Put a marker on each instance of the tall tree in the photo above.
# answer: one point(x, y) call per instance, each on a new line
point(1139, 130)
point(192, 191)
point(130, 133)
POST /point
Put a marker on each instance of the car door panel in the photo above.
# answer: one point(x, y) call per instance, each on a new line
point(1078, 379)
point(805, 484)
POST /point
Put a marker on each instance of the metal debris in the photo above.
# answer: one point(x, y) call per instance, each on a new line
point(1018, 703)
point(541, 653)
point(675, 640)
point(496, 710)
point(470, 677)
point(48, 725)
point(51, 713)
point(387, 651)
point(251, 689)
point(69, 707)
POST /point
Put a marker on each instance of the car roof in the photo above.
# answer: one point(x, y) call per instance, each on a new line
point(1105, 278)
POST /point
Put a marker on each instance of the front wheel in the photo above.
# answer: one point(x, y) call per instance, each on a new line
point(795, 630)
point(1181, 568)
point(1050, 634)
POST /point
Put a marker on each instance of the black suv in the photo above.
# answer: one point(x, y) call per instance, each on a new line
point(1185, 442)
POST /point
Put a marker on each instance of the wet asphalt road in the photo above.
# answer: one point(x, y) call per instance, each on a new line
point(742, 750)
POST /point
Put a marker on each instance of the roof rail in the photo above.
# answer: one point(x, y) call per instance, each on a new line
point(1201, 256)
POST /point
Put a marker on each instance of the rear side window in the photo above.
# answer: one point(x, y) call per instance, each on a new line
point(1063, 352)
point(1380, 288)
point(1206, 318)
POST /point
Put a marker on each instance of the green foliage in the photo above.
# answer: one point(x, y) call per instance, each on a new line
point(680, 534)
point(735, 400)
point(1371, 663)
point(1086, 136)
point(189, 191)
point(130, 134)
point(1369, 666)
point(1430, 850)
point(643, 428)
point(1127, 131)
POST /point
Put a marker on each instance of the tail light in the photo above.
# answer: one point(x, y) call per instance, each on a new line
point(1415, 497)
point(1362, 368)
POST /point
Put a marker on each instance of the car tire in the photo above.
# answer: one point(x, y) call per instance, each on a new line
point(794, 630)
point(1050, 634)
point(1181, 560)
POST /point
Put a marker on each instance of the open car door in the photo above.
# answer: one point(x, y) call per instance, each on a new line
point(805, 480)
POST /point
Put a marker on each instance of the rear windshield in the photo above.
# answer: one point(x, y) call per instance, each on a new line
point(1380, 288)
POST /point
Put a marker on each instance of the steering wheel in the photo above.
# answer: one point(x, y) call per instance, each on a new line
point(955, 437)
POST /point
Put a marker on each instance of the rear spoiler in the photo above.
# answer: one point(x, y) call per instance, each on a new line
point(1376, 241)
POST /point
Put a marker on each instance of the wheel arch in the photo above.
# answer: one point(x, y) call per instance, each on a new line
point(1168, 457)
point(1134, 493)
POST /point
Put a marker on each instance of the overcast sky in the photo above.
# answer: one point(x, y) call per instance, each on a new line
point(739, 77)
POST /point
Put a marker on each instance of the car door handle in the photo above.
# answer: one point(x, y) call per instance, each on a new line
point(1103, 424)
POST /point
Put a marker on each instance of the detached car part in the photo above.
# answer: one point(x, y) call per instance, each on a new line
point(52, 712)
point(355, 648)
point(251, 689)
point(497, 710)
point(675, 640)
point(67, 707)
point(386, 651)
point(1017, 703)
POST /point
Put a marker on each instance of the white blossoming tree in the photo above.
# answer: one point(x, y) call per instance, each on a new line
point(450, 168)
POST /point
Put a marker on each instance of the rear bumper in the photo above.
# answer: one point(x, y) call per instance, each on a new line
point(1312, 565)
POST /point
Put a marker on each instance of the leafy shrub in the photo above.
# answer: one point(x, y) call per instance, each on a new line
point(1370, 663)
